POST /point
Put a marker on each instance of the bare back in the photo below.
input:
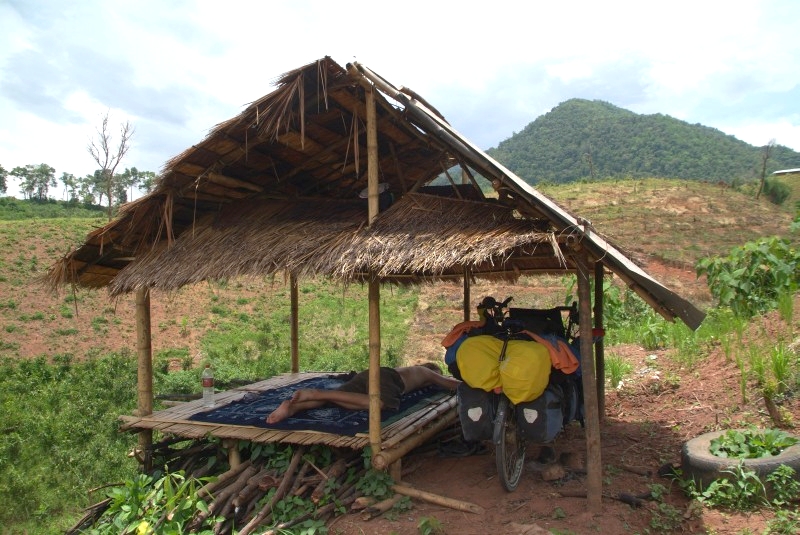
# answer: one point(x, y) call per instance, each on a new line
point(415, 377)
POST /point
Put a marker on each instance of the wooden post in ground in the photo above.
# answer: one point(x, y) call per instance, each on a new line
point(599, 347)
point(144, 384)
point(594, 467)
point(467, 298)
point(295, 336)
point(374, 284)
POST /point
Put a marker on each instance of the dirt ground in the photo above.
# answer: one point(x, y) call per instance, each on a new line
point(647, 418)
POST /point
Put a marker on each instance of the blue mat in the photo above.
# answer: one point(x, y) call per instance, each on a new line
point(253, 409)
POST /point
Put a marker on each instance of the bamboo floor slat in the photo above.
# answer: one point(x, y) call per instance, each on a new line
point(175, 420)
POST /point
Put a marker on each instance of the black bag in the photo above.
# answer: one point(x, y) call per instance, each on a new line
point(476, 410)
point(541, 420)
point(539, 321)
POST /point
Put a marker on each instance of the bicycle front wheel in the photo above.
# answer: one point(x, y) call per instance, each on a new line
point(509, 447)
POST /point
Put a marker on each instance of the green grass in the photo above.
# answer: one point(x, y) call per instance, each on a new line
point(60, 436)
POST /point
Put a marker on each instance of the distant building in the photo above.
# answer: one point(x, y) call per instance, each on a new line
point(787, 171)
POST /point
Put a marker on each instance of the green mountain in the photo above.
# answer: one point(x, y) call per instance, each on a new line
point(594, 139)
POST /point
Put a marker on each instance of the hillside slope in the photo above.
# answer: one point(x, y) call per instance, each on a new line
point(588, 139)
point(664, 224)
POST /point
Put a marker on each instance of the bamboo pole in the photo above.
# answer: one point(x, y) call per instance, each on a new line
point(381, 460)
point(594, 467)
point(144, 350)
point(294, 328)
point(467, 298)
point(599, 348)
point(374, 287)
point(437, 499)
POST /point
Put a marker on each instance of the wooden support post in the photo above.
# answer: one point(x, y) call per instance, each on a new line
point(599, 348)
point(144, 351)
point(467, 298)
point(234, 457)
point(374, 284)
point(383, 459)
point(396, 470)
point(594, 467)
point(295, 335)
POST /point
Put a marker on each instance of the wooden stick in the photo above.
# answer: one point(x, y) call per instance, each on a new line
point(381, 507)
point(438, 499)
point(209, 488)
point(335, 470)
point(222, 501)
point(362, 502)
point(279, 493)
point(383, 459)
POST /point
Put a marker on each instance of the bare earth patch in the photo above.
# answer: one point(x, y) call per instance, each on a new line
point(659, 406)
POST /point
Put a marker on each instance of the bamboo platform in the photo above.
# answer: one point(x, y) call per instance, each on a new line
point(436, 415)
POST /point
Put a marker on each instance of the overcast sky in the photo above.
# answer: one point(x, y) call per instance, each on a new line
point(177, 68)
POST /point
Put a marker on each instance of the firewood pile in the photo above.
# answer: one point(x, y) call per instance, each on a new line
point(254, 493)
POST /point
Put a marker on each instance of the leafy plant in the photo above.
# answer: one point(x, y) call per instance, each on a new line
point(750, 444)
point(743, 491)
point(430, 525)
point(784, 485)
point(752, 277)
point(375, 483)
point(147, 505)
point(785, 522)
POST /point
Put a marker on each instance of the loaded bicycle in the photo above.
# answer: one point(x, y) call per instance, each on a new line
point(556, 396)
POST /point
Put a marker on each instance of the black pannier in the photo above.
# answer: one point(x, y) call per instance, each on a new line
point(476, 412)
point(541, 420)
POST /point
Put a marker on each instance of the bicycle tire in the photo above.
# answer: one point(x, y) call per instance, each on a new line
point(509, 449)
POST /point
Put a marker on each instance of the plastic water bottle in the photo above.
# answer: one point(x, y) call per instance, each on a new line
point(208, 386)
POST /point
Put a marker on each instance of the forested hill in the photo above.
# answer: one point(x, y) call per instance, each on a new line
point(594, 139)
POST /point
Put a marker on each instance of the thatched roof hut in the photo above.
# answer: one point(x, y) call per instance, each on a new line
point(280, 189)
point(276, 189)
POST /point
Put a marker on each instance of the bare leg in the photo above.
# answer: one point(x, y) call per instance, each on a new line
point(292, 406)
point(346, 400)
point(305, 399)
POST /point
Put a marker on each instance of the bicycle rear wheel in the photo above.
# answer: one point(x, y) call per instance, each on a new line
point(509, 448)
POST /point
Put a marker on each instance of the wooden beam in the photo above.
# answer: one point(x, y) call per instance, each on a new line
point(295, 329)
point(230, 182)
point(467, 298)
point(594, 467)
point(599, 348)
point(144, 351)
point(374, 286)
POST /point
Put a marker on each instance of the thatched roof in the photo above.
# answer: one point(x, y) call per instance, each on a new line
point(276, 189)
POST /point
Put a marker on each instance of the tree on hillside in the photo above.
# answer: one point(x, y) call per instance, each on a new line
point(148, 181)
point(3, 175)
point(35, 180)
point(108, 156)
point(766, 151)
point(133, 178)
point(70, 182)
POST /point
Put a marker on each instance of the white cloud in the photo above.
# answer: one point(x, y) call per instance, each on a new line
point(176, 69)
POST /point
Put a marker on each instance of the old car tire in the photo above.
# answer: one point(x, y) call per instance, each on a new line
point(700, 465)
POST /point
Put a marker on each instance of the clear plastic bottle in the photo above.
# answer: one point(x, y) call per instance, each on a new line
point(208, 386)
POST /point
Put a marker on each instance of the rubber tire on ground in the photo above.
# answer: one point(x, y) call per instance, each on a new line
point(509, 446)
point(702, 466)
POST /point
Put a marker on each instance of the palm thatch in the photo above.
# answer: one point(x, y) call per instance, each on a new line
point(276, 189)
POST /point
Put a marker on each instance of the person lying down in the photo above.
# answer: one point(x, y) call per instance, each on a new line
point(354, 394)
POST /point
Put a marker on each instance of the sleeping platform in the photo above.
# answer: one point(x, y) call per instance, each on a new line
point(240, 413)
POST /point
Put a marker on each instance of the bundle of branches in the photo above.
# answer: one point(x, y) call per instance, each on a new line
point(279, 486)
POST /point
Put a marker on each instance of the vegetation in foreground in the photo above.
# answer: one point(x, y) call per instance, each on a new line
point(60, 433)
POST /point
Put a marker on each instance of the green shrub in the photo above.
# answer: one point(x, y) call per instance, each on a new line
point(752, 277)
point(751, 444)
